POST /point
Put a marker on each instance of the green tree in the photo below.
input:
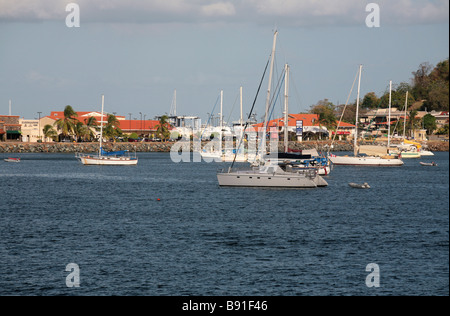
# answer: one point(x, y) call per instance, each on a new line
point(112, 127)
point(81, 131)
point(67, 124)
point(438, 96)
point(413, 122)
point(421, 81)
point(432, 85)
point(443, 130)
point(49, 132)
point(325, 110)
point(429, 123)
point(92, 125)
point(162, 129)
point(441, 71)
point(133, 136)
point(370, 101)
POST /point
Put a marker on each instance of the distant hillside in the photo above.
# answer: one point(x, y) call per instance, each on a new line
point(428, 89)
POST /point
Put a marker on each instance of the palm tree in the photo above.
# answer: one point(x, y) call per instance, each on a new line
point(111, 128)
point(162, 129)
point(67, 125)
point(414, 122)
point(49, 132)
point(92, 125)
point(82, 131)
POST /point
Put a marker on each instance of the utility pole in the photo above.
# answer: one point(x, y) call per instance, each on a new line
point(39, 125)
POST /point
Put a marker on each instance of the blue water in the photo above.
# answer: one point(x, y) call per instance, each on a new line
point(199, 239)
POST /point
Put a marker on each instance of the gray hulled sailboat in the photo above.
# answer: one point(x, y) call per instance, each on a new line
point(268, 173)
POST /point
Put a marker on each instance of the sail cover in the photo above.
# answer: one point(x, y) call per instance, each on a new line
point(373, 150)
point(114, 153)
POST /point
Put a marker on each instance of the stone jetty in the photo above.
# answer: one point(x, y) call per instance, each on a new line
point(321, 146)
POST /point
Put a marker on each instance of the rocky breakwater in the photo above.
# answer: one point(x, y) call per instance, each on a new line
point(321, 146)
point(437, 145)
point(82, 147)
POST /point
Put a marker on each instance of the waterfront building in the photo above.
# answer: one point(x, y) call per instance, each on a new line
point(442, 118)
point(143, 128)
point(30, 130)
point(304, 126)
point(10, 128)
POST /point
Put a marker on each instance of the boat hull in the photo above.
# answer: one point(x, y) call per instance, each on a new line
point(106, 161)
point(269, 180)
point(12, 160)
point(426, 153)
point(431, 164)
point(366, 161)
point(406, 154)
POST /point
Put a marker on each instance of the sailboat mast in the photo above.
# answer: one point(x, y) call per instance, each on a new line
point(355, 145)
point(101, 128)
point(221, 113)
point(286, 107)
point(406, 107)
point(389, 116)
point(240, 96)
point(241, 122)
point(175, 102)
point(221, 121)
point(263, 143)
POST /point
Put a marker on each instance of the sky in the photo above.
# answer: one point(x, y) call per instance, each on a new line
point(138, 52)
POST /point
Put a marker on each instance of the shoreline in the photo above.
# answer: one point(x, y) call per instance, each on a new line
point(19, 147)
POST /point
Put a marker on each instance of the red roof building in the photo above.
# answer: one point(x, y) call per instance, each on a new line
point(84, 116)
point(308, 120)
point(140, 127)
point(311, 126)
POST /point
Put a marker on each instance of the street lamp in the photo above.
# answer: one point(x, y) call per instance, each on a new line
point(141, 121)
point(130, 121)
point(144, 122)
point(39, 125)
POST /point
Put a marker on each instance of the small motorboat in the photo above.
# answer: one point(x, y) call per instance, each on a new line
point(364, 185)
point(432, 164)
point(12, 159)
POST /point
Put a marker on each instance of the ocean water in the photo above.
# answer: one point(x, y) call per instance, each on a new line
point(200, 239)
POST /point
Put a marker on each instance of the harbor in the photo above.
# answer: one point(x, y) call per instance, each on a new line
point(224, 156)
point(162, 228)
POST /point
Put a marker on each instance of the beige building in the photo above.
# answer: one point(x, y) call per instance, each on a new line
point(30, 130)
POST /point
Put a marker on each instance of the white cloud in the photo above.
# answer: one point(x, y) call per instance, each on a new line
point(218, 9)
point(35, 77)
point(287, 12)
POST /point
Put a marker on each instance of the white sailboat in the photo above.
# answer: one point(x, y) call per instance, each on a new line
point(381, 158)
point(103, 158)
point(408, 149)
point(212, 152)
point(237, 155)
point(268, 173)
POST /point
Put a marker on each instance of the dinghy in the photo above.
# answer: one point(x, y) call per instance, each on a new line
point(12, 159)
point(364, 185)
point(433, 164)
